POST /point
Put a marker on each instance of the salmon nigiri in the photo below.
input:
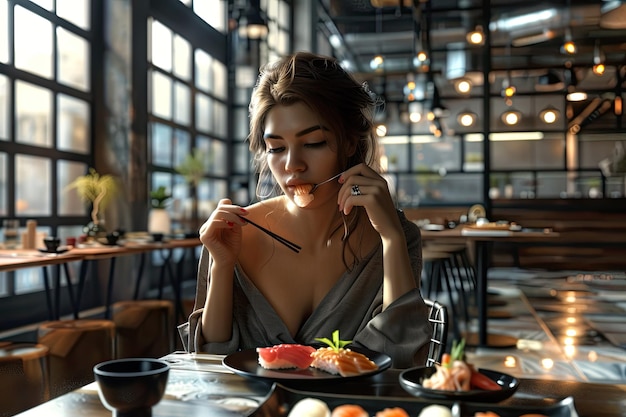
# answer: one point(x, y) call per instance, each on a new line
point(392, 412)
point(285, 356)
point(349, 410)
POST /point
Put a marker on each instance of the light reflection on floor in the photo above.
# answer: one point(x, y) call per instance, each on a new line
point(566, 328)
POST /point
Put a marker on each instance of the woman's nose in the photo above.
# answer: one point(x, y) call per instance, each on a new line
point(294, 162)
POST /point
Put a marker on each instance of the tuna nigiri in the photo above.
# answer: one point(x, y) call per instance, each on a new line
point(285, 356)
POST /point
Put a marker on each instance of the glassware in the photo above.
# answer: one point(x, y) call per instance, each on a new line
point(11, 233)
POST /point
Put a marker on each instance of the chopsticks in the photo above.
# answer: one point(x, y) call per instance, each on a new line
point(290, 245)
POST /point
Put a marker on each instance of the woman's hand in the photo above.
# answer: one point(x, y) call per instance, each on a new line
point(221, 233)
point(373, 195)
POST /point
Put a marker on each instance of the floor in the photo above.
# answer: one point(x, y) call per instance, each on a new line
point(570, 325)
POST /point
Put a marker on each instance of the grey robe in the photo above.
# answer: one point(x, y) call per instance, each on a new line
point(353, 306)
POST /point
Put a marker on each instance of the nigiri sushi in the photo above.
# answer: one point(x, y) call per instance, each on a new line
point(349, 410)
point(392, 412)
point(344, 362)
point(302, 195)
point(435, 410)
point(310, 407)
point(285, 356)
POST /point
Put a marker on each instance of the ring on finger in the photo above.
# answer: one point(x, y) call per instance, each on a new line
point(355, 190)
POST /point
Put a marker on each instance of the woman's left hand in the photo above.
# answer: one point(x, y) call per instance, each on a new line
point(362, 186)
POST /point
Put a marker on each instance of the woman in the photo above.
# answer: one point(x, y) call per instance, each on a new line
point(359, 268)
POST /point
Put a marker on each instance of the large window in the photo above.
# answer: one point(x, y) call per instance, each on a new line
point(45, 126)
point(188, 117)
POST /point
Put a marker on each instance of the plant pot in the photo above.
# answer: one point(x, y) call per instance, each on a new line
point(159, 221)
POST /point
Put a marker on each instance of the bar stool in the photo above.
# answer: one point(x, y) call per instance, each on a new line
point(439, 271)
point(145, 328)
point(24, 381)
point(76, 346)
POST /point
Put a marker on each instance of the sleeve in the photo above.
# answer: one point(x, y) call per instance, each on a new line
point(402, 330)
point(191, 332)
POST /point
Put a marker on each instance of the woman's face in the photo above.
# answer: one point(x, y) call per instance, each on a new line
point(299, 150)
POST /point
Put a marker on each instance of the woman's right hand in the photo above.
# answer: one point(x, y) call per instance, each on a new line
point(221, 233)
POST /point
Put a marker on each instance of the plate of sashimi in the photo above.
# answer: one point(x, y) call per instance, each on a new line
point(338, 359)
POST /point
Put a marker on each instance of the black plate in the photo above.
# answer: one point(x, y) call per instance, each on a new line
point(411, 381)
point(246, 363)
point(58, 251)
point(282, 400)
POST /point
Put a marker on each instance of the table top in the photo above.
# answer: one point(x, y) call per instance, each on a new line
point(199, 385)
point(11, 259)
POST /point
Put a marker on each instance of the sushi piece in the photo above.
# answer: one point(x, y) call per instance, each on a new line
point(310, 407)
point(302, 195)
point(285, 356)
point(392, 412)
point(349, 410)
point(435, 410)
point(344, 362)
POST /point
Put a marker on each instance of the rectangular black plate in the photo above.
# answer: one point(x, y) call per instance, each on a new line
point(283, 399)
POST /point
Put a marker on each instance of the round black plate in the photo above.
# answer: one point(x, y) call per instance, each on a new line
point(411, 381)
point(58, 251)
point(246, 363)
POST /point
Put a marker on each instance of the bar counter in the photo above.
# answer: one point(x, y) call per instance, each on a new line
point(199, 385)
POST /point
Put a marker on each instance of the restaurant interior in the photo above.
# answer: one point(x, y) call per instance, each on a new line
point(503, 136)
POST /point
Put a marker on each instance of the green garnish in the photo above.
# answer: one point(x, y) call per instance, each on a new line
point(457, 352)
point(335, 344)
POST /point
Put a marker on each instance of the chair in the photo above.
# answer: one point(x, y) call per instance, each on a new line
point(438, 316)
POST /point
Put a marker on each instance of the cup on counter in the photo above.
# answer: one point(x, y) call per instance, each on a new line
point(10, 230)
point(52, 243)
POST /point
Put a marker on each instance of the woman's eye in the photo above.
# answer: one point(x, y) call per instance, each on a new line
point(316, 144)
point(275, 150)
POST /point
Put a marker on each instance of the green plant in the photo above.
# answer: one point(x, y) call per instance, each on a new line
point(192, 167)
point(159, 197)
point(96, 189)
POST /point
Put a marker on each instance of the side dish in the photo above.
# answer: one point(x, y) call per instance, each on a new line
point(455, 374)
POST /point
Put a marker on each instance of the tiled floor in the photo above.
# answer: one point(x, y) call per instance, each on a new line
point(569, 325)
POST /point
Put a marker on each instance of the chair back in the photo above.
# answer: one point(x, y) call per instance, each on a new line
point(438, 316)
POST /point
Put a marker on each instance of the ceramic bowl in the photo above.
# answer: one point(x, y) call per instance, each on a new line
point(52, 243)
point(130, 387)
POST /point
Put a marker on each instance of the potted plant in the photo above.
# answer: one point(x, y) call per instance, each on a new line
point(97, 190)
point(159, 219)
point(193, 169)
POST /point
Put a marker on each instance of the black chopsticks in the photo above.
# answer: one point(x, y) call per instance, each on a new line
point(290, 245)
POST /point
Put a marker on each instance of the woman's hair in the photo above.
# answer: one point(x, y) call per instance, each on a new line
point(344, 106)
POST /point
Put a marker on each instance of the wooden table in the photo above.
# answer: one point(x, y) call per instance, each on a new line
point(483, 241)
point(21, 258)
point(199, 385)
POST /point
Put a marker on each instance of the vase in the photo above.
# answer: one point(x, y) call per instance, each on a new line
point(93, 231)
point(159, 221)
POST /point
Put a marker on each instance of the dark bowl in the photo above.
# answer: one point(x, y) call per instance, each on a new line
point(131, 386)
point(52, 243)
point(158, 237)
point(411, 380)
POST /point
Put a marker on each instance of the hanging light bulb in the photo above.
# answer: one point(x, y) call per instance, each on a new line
point(511, 117)
point(476, 37)
point(549, 115)
point(508, 90)
point(568, 47)
point(377, 62)
point(598, 60)
point(463, 86)
point(466, 119)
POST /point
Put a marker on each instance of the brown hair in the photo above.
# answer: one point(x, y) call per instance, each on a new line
point(344, 106)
